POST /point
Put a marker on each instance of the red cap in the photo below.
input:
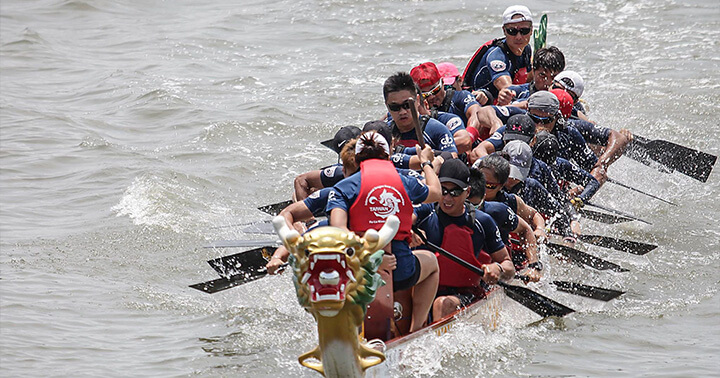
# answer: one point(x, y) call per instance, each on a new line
point(425, 74)
point(566, 101)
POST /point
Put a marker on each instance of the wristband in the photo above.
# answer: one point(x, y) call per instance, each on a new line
point(501, 268)
point(423, 164)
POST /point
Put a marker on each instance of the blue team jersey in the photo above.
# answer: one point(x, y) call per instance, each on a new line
point(317, 201)
point(504, 217)
point(486, 235)
point(591, 132)
point(436, 135)
point(460, 103)
point(544, 175)
point(568, 171)
point(522, 91)
point(536, 196)
point(574, 148)
point(496, 63)
point(453, 122)
point(344, 194)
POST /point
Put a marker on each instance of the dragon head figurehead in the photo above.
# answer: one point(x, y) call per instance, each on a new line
point(335, 276)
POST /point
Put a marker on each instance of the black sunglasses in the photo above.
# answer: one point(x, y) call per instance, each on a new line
point(453, 192)
point(514, 31)
point(397, 107)
point(543, 120)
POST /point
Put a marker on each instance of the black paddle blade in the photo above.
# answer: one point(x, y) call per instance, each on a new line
point(630, 246)
point(275, 208)
point(225, 283)
point(588, 291)
point(693, 163)
point(603, 217)
point(585, 258)
point(250, 262)
point(539, 304)
point(241, 243)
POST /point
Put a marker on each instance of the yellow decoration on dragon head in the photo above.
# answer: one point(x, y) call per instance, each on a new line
point(335, 276)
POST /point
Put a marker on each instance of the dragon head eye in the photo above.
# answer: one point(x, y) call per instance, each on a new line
point(350, 251)
point(307, 252)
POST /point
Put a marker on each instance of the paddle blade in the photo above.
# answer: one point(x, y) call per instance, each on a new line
point(588, 291)
point(539, 304)
point(693, 163)
point(250, 262)
point(225, 283)
point(241, 243)
point(629, 246)
point(584, 258)
point(275, 208)
point(603, 217)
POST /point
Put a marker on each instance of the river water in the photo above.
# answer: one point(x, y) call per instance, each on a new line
point(132, 131)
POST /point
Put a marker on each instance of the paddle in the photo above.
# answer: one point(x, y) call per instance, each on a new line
point(639, 191)
point(582, 290)
point(630, 246)
point(618, 212)
point(584, 258)
point(237, 269)
point(536, 302)
point(275, 208)
point(694, 163)
point(603, 217)
point(242, 243)
point(416, 122)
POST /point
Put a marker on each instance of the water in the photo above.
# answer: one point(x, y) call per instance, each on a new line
point(131, 130)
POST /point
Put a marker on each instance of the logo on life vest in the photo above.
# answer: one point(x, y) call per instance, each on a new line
point(384, 201)
point(498, 65)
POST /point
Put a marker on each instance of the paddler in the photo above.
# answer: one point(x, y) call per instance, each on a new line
point(459, 102)
point(547, 63)
point(507, 61)
point(365, 199)
point(523, 253)
point(468, 234)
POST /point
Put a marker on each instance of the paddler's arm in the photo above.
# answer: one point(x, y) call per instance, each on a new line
point(502, 267)
point(533, 218)
point(504, 95)
point(614, 148)
point(339, 218)
point(307, 183)
point(529, 245)
point(431, 179)
point(295, 213)
point(487, 118)
point(483, 149)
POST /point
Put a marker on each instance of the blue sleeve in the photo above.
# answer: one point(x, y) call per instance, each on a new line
point(493, 240)
point(439, 136)
point(451, 121)
point(571, 172)
point(505, 112)
point(582, 155)
point(547, 179)
point(536, 196)
point(331, 175)
point(423, 211)
point(497, 139)
point(401, 160)
point(464, 100)
point(344, 193)
point(316, 202)
point(497, 63)
point(416, 190)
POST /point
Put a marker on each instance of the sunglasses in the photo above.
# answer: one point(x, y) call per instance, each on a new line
point(515, 31)
point(397, 107)
point(434, 91)
point(492, 185)
point(543, 120)
point(453, 192)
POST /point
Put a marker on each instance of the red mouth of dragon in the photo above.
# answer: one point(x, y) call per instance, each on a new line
point(327, 277)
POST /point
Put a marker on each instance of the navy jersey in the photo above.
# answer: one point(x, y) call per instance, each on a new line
point(460, 103)
point(486, 235)
point(574, 148)
point(495, 63)
point(568, 171)
point(544, 175)
point(331, 175)
point(317, 201)
point(436, 135)
point(344, 194)
point(536, 196)
point(591, 132)
point(522, 91)
point(505, 112)
point(504, 217)
point(507, 198)
point(453, 122)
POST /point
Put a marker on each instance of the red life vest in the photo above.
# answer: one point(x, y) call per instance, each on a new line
point(381, 194)
point(519, 75)
point(458, 241)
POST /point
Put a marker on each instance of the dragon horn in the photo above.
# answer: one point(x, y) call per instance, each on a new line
point(378, 239)
point(287, 236)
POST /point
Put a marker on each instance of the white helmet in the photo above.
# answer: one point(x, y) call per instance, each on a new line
point(572, 81)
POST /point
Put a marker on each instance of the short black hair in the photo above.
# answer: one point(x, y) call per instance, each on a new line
point(400, 81)
point(499, 165)
point(477, 183)
point(550, 58)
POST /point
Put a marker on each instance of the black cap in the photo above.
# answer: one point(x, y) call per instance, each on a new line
point(381, 127)
point(456, 172)
point(341, 137)
point(546, 147)
point(519, 127)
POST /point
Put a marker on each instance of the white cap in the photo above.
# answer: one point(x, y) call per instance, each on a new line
point(375, 136)
point(520, 159)
point(572, 81)
point(516, 9)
